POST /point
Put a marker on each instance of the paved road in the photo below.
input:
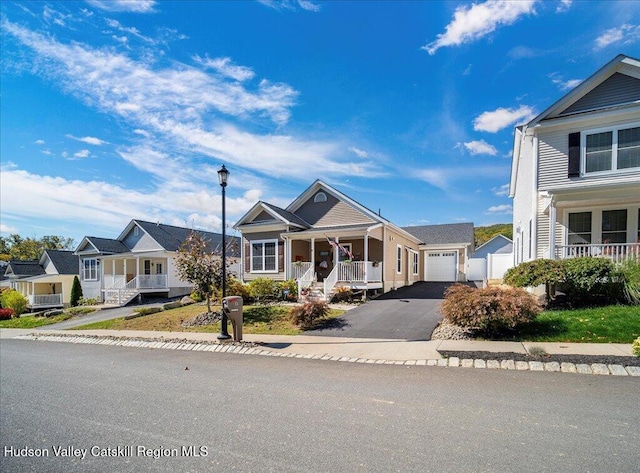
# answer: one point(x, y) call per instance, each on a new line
point(284, 414)
point(410, 313)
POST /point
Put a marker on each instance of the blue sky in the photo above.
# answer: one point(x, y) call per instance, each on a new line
point(113, 110)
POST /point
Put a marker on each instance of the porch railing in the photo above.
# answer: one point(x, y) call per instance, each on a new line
point(614, 251)
point(299, 269)
point(360, 271)
point(306, 280)
point(152, 281)
point(45, 300)
point(330, 281)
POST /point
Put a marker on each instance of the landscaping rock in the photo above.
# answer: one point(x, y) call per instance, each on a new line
point(186, 300)
point(51, 313)
point(207, 318)
point(447, 331)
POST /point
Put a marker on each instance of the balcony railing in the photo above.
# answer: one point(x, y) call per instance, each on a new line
point(45, 300)
point(617, 252)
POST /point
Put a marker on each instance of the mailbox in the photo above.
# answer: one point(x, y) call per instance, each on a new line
point(232, 306)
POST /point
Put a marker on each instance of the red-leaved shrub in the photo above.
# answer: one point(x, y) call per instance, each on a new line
point(6, 313)
point(489, 310)
point(307, 314)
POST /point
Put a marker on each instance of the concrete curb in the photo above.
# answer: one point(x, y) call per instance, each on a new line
point(251, 349)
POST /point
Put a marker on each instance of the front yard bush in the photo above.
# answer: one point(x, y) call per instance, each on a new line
point(589, 280)
point(76, 292)
point(491, 310)
point(6, 313)
point(534, 273)
point(14, 300)
point(307, 314)
point(288, 290)
point(263, 289)
point(629, 277)
point(636, 347)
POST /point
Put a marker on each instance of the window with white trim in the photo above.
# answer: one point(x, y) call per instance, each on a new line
point(611, 149)
point(264, 256)
point(614, 226)
point(579, 228)
point(415, 263)
point(399, 259)
point(90, 269)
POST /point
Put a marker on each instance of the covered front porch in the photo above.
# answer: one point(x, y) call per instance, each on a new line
point(45, 292)
point(126, 276)
point(603, 223)
point(330, 258)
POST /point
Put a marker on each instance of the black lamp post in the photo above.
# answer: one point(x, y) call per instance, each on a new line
point(223, 176)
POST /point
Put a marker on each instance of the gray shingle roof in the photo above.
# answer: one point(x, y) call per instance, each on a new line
point(289, 216)
point(25, 269)
point(443, 234)
point(107, 245)
point(172, 238)
point(64, 261)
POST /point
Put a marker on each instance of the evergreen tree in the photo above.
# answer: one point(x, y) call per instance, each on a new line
point(76, 291)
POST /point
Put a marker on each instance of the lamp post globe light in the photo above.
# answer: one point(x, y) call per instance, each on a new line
point(223, 176)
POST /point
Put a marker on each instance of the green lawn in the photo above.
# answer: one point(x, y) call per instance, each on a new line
point(257, 319)
point(31, 321)
point(609, 324)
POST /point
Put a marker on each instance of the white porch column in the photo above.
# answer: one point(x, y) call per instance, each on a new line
point(124, 269)
point(552, 230)
point(366, 257)
point(113, 273)
point(336, 253)
point(287, 258)
point(137, 271)
point(313, 253)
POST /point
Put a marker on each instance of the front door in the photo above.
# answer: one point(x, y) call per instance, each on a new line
point(147, 266)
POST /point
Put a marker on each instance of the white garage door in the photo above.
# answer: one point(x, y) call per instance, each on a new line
point(441, 266)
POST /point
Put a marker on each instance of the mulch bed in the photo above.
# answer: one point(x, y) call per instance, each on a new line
point(577, 359)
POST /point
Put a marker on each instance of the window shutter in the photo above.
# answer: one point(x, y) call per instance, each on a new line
point(574, 155)
point(247, 257)
point(281, 256)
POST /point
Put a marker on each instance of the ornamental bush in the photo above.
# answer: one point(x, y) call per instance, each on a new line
point(6, 314)
point(489, 310)
point(307, 314)
point(589, 280)
point(263, 289)
point(535, 273)
point(629, 278)
point(636, 347)
point(288, 290)
point(14, 300)
point(76, 292)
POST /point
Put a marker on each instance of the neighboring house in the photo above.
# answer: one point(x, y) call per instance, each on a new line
point(46, 283)
point(491, 259)
point(326, 240)
point(575, 177)
point(140, 261)
point(444, 250)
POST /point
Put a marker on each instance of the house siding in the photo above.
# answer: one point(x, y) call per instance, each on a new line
point(263, 216)
point(333, 212)
point(616, 90)
point(246, 259)
point(393, 280)
point(142, 242)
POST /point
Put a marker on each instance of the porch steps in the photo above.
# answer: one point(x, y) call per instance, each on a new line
point(127, 295)
point(316, 293)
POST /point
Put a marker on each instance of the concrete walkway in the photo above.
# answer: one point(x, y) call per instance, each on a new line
point(360, 350)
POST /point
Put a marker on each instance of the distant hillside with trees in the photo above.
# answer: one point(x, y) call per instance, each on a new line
point(486, 233)
point(18, 248)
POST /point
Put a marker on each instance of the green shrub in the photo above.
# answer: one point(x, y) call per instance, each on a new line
point(76, 292)
point(589, 280)
point(288, 290)
point(196, 296)
point(636, 347)
point(148, 310)
point(489, 310)
point(534, 273)
point(263, 289)
point(629, 277)
point(6, 314)
point(307, 314)
point(235, 287)
point(89, 301)
point(14, 300)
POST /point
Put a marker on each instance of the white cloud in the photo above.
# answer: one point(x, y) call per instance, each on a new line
point(83, 153)
point(225, 67)
point(500, 118)
point(291, 5)
point(563, 6)
point(471, 23)
point(480, 147)
point(135, 6)
point(113, 206)
point(523, 52)
point(501, 191)
point(7, 229)
point(40, 142)
point(128, 30)
point(444, 178)
point(90, 140)
point(563, 84)
point(358, 152)
point(625, 34)
point(504, 209)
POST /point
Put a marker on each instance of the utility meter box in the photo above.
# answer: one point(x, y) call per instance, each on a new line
point(232, 305)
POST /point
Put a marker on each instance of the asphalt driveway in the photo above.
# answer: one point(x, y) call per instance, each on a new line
point(409, 313)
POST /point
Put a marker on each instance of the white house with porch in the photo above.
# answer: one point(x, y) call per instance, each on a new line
point(575, 177)
point(140, 261)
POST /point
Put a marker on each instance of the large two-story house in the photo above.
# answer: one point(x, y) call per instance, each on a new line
point(140, 261)
point(575, 177)
point(325, 240)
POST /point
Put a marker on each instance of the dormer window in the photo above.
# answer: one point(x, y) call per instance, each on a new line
point(320, 197)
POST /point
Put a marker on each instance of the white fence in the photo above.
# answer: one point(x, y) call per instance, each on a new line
point(492, 267)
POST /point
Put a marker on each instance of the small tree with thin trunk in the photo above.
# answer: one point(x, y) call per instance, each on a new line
point(200, 266)
point(76, 292)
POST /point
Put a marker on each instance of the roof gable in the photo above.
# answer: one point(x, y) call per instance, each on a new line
point(337, 209)
point(263, 213)
point(65, 262)
point(618, 89)
point(22, 269)
point(90, 244)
